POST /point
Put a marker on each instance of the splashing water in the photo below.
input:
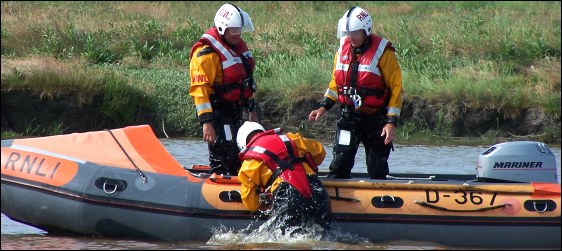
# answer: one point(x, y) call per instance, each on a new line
point(269, 232)
point(291, 220)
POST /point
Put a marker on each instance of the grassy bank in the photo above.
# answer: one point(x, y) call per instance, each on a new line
point(494, 55)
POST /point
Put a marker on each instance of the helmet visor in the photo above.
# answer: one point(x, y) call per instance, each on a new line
point(356, 34)
point(342, 29)
point(235, 30)
point(248, 26)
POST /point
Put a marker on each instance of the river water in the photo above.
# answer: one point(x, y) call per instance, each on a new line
point(455, 159)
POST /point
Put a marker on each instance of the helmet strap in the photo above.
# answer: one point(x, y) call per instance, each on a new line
point(239, 13)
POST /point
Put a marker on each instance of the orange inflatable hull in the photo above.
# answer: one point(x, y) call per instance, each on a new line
point(123, 182)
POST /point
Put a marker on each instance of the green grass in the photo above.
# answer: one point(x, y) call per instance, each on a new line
point(122, 99)
point(11, 135)
point(32, 129)
point(169, 92)
point(494, 55)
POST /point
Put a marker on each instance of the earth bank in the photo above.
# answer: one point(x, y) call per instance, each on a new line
point(22, 112)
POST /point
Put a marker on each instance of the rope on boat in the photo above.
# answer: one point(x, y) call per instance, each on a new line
point(338, 197)
point(390, 177)
point(126, 154)
point(423, 203)
point(344, 198)
point(493, 188)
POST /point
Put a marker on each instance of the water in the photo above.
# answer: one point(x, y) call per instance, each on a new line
point(453, 159)
point(188, 152)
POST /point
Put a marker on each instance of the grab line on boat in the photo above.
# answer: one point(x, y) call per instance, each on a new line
point(423, 203)
point(390, 177)
point(144, 180)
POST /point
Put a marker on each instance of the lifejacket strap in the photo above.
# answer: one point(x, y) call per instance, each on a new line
point(327, 103)
point(251, 104)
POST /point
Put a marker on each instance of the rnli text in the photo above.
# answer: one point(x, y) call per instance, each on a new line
point(28, 164)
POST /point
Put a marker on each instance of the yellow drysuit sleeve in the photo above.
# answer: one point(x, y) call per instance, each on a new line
point(390, 70)
point(205, 69)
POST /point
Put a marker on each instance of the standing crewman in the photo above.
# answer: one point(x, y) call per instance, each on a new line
point(222, 85)
point(367, 83)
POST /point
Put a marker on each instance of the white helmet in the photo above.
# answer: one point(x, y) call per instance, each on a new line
point(245, 130)
point(230, 15)
point(354, 19)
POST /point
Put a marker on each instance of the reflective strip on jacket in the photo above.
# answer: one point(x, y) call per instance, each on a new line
point(255, 173)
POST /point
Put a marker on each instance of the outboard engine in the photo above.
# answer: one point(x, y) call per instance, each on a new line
point(518, 161)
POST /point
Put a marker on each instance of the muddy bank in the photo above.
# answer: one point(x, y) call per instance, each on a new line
point(22, 112)
point(530, 124)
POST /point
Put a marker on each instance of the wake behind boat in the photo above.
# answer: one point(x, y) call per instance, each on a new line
point(124, 183)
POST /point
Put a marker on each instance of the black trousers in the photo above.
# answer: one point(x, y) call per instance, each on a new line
point(353, 128)
point(294, 212)
point(223, 155)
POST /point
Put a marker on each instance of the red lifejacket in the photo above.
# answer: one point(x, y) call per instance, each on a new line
point(281, 156)
point(369, 83)
point(236, 82)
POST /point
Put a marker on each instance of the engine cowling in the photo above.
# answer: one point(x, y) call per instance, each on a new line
point(518, 161)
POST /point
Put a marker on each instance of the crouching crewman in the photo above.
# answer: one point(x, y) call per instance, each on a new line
point(279, 174)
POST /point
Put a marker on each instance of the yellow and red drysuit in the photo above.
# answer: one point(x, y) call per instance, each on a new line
point(222, 85)
point(367, 83)
point(285, 166)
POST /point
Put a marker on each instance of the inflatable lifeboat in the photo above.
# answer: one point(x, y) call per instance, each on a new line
point(124, 183)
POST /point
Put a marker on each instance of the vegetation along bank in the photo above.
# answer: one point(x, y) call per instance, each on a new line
point(489, 70)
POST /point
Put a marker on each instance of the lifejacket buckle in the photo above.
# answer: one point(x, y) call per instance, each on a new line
point(347, 90)
point(249, 82)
